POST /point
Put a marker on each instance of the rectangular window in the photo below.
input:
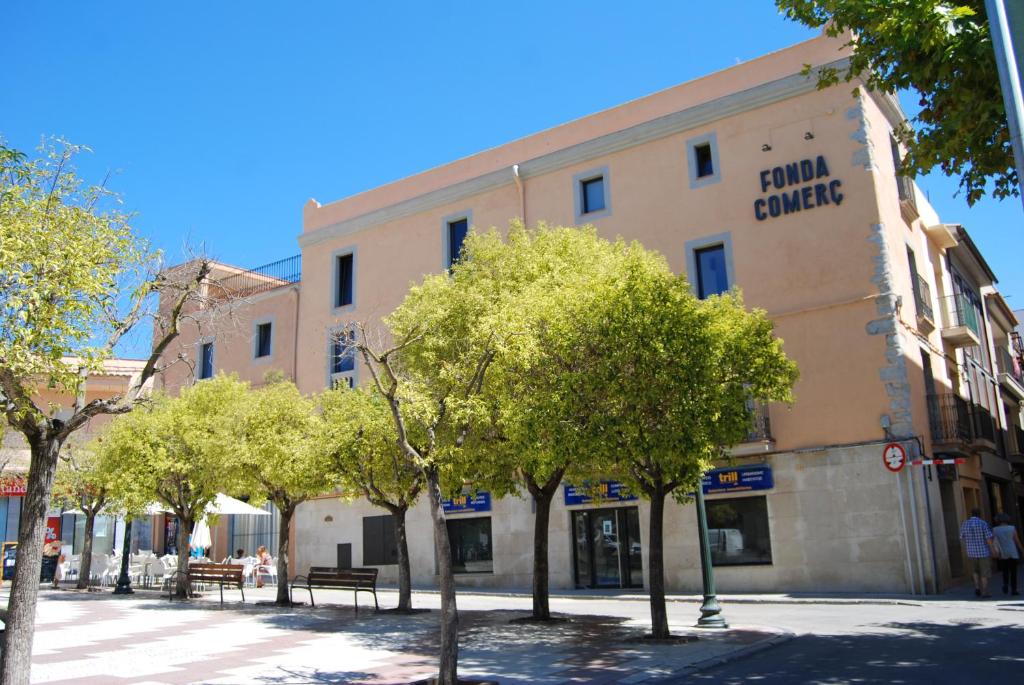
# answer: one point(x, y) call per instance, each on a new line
point(206, 361)
point(344, 274)
point(263, 332)
point(457, 231)
point(703, 160)
point(738, 531)
point(712, 277)
point(471, 545)
point(343, 358)
point(379, 548)
point(592, 194)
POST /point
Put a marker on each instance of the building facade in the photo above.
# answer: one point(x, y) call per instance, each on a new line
point(750, 177)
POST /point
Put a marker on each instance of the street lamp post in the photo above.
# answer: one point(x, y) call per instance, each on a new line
point(710, 610)
point(124, 581)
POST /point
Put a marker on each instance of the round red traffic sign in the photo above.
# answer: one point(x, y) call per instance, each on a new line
point(894, 457)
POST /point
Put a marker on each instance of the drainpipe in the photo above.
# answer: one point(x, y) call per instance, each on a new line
point(522, 192)
point(295, 341)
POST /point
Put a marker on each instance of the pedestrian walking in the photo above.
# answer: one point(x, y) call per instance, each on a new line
point(977, 536)
point(1009, 551)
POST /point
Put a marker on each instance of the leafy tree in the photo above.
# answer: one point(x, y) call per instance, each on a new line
point(661, 384)
point(548, 278)
point(82, 478)
point(74, 279)
point(278, 459)
point(180, 452)
point(359, 436)
point(942, 52)
point(446, 333)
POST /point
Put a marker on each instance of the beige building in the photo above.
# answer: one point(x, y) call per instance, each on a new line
point(749, 177)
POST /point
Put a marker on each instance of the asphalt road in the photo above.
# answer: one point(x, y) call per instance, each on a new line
point(937, 642)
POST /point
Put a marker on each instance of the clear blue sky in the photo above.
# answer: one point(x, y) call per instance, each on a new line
point(222, 119)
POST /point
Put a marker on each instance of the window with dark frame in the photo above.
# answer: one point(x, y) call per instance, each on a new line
point(592, 194)
point(344, 269)
point(738, 531)
point(206, 361)
point(471, 543)
point(343, 358)
point(457, 231)
point(703, 160)
point(263, 333)
point(379, 547)
point(712, 278)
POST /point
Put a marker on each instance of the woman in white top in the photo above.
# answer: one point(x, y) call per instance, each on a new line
point(1010, 551)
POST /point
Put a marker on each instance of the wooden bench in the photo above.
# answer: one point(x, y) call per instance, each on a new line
point(220, 574)
point(328, 578)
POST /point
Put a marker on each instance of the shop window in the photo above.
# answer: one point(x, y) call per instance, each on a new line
point(470, 540)
point(379, 547)
point(344, 279)
point(263, 336)
point(738, 531)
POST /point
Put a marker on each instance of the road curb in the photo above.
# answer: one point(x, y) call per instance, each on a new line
point(736, 655)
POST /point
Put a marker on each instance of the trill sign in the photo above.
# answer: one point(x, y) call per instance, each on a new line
point(797, 187)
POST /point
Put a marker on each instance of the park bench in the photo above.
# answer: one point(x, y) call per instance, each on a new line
point(329, 578)
point(219, 574)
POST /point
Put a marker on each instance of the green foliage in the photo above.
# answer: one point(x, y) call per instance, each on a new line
point(667, 377)
point(359, 438)
point(66, 252)
point(942, 52)
point(179, 451)
point(277, 457)
point(83, 479)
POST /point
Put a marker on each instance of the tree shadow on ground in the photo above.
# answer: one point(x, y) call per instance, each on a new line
point(907, 653)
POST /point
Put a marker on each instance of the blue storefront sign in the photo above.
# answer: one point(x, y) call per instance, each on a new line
point(479, 501)
point(605, 491)
point(739, 479)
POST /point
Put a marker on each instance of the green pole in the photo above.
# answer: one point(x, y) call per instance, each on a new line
point(710, 610)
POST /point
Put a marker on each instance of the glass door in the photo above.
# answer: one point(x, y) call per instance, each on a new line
point(606, 548)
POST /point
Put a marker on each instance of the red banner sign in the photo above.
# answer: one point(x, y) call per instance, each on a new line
point(13, 487)
point(52, 529)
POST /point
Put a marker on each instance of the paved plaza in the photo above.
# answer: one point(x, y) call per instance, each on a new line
point(146, 640)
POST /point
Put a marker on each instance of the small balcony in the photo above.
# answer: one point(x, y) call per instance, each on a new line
point(949, 420)
point(983, 427)
point(1011, 375)
point(244, 283)
point(960, 326)
point(759, 438)
point(908, 203)
point(923, 301)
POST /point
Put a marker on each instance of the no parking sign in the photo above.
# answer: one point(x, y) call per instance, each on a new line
point(894, 457)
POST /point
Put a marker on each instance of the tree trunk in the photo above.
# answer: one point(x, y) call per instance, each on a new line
point(659, 616)
point(184, 551)
point(283, 540)
point(404, 572)
point(449, 657)
point(21, 614)
point(85, 565)
point(541, 604)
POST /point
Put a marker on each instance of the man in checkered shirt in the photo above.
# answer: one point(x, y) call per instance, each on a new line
point(977, 536)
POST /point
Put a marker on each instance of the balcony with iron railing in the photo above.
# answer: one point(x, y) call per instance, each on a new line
point(960, 326)
point(1011, 375)
point(759, 436)
point(923, 301)
point(248, 282)
point(949, 419)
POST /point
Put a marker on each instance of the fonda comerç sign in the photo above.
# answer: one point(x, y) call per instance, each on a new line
point(15, 486)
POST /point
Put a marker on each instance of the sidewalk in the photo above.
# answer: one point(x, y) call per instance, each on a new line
point(144, 640)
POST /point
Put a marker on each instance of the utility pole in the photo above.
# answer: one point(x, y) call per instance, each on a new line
point(710, 610)
point(1006, 26)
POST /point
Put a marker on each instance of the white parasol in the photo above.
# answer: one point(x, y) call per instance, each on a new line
point(230, 506)
point(201, 535)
